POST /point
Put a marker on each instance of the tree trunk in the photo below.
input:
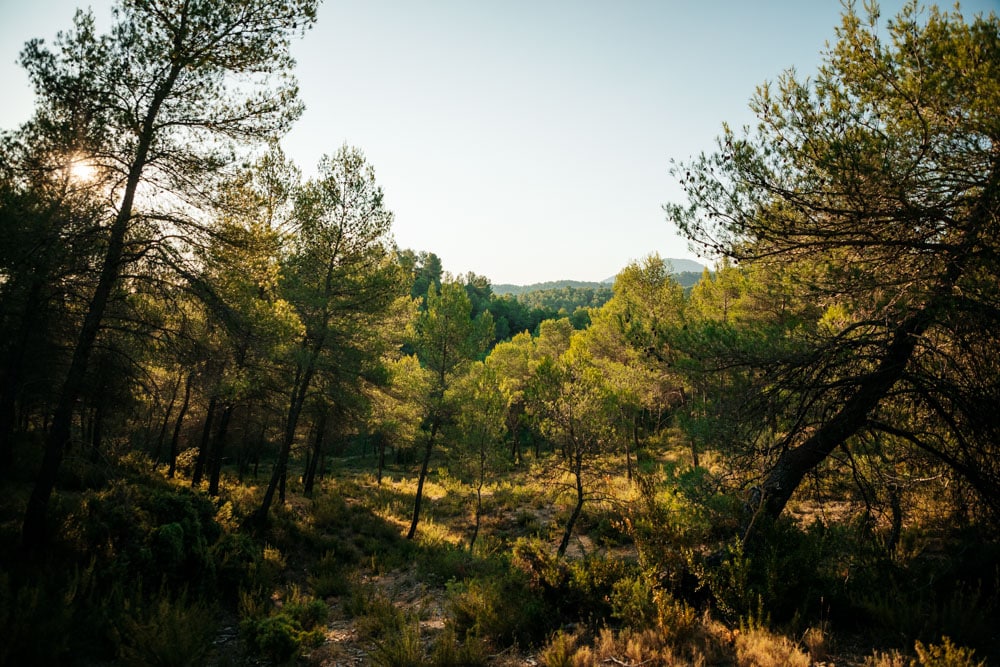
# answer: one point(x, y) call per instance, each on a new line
point(206, 441)
point(97, 432)
point(420, 480)
point(628, 452)
point(381, 456)
point(13, 368)
point(218, 446)
point(162, 435)
point(514, 426)
point(479, 498)
point(300, 387)
point(793, 464)
point(174, 439)
point(317, 452)
point(578, 474)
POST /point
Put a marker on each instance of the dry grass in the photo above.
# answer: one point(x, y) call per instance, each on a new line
point(759, 648)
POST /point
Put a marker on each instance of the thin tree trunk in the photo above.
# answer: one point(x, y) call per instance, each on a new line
point(218, 447)
point(13, 369)
point(206, 442)
point(175, 438)
point(578, 474)
point(514, 426)
point(479, 497)
point(317, 453)
point(420, 480)
point(628, 451)
point(301, 386)
point(97, 432)
point(162, 436)
point(381, 456)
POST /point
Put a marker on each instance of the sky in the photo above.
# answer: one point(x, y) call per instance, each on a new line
point(523, 140)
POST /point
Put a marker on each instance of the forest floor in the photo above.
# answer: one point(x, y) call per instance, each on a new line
point(523, 507)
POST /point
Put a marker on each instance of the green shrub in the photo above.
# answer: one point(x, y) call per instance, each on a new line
point(448, 651)
point(946, 654)
point(34, 617)
point(400, 649)
point(501, 609)
point(276, 637)
point(560, 650)
point(306, 610)
point(632, 602)
point(898, 605)
point(280, 632)
point(783, 567)
point(375, 614)
point(168, 633)
point(238, 564)
point(328, 578)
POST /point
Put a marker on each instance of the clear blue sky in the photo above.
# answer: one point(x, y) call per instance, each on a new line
point(524, 140)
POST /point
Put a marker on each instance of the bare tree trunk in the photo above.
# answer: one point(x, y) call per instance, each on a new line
point(628, 452)
point(97, 432)
point(162, 435)
point(578, 474)
point(420, 480)
point(381, 456)
point(317, 452)
point(479, 497)
point(13, 369)
point(175, 438)
point(217, 448)
point(297, 400)
point(206, 441)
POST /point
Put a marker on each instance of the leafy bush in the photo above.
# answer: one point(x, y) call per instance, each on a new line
point(34, 617)
point(400, 649)
point(946, 654)
point(783, 568)
point(632, 602)
point(560, 650)
point(328, 578)
point(276, 637)
point(239, 564)
point(375, 614)
point(573, 591)
point(168, 633)
point(280, 634)
point(448, 651)
point(501, 609)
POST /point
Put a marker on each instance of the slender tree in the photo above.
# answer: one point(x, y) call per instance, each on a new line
point(342, 280)
point(446, 338)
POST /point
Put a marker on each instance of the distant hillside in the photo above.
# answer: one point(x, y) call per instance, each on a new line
point(517, 290)
point(686, 271)
point(680, 266)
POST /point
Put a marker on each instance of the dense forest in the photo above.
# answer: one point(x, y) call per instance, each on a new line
point(239, 425)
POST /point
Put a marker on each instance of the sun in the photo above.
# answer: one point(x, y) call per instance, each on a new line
point(82, 170)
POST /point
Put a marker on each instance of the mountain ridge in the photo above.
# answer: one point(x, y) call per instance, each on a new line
point(681, 268)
